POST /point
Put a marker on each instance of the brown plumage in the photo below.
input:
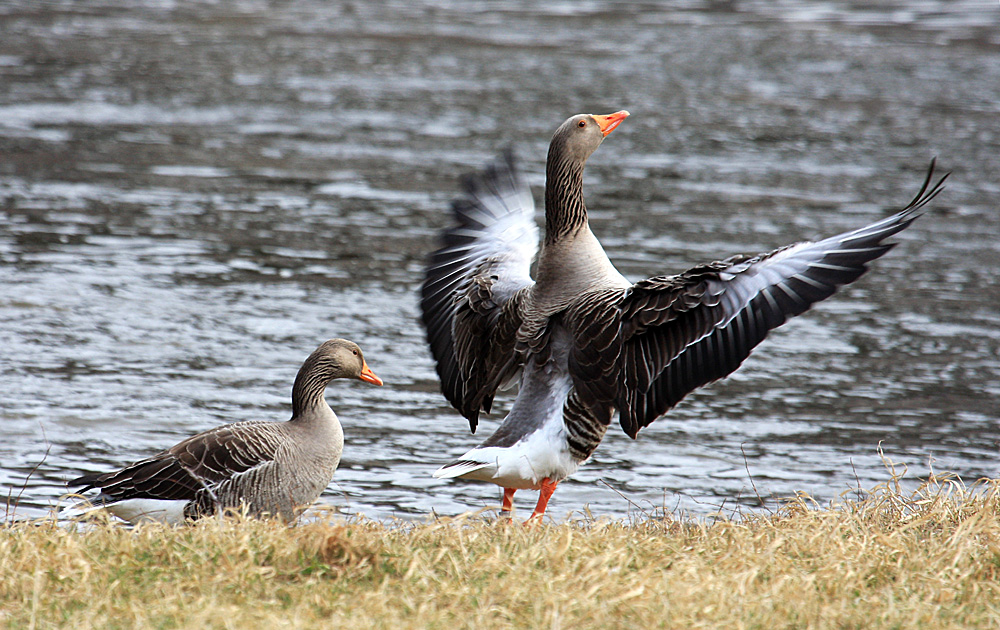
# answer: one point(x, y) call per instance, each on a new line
point(588, 341)
point(275, 468)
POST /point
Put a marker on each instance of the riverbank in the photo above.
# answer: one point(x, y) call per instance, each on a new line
point(889, 560)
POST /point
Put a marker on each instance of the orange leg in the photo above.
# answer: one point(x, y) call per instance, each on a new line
point(507, 508)
point(548, 487)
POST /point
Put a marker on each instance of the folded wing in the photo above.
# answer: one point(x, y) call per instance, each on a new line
point(193, 469)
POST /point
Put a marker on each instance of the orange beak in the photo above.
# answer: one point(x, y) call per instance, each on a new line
point(368, 375)
point(610, 121)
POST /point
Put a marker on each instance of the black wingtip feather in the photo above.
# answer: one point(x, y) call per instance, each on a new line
point(87, 481)
point(924, 196)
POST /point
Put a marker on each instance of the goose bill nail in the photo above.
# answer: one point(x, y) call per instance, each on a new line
point(368, 375)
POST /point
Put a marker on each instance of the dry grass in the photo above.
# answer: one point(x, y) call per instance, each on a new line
point(930, 559)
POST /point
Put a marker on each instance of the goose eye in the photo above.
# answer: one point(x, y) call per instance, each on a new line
point(582, 124)
point(355, 352)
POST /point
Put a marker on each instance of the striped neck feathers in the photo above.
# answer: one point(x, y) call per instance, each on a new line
point(565, 211)
point(310, 386)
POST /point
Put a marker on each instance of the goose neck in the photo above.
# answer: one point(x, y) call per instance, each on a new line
point(308, 393)
point(565, 211)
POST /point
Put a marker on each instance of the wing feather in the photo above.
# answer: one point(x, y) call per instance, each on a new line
point(474, 285)
point(681, 332)
point(644, 348)
point(191, 469)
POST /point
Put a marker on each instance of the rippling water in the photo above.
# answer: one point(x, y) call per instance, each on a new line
point(195, 195)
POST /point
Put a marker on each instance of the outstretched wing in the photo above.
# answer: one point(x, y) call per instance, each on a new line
point(678, 333)
point(473, 287)
point(193, 467)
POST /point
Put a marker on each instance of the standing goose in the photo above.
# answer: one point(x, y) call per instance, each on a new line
point(275, 468)
point(585, 341)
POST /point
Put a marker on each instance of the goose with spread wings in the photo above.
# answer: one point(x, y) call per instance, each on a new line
point(582, 341)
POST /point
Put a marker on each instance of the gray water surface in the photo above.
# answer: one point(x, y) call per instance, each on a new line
point(194, 195)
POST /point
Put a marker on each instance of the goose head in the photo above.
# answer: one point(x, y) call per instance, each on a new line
point(339, 358)
point(577, 138)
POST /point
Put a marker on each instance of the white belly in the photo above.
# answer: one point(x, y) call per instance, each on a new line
point(542, 452)
point(144, 510)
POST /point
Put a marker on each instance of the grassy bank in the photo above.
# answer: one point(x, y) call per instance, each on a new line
point(929, 559)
